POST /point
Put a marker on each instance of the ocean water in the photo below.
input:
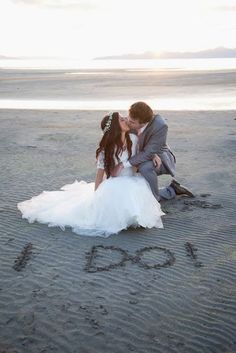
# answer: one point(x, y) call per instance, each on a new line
point(165, 84)
point(184, 103)
point(143, 65)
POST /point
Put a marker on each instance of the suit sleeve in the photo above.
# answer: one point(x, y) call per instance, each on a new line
point(153, 146)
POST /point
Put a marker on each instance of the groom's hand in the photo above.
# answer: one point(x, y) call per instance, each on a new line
point(156, 161)
point(117, 169)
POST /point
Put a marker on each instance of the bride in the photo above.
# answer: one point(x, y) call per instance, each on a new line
point(107, 206)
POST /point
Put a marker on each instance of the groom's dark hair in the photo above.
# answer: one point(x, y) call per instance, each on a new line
point(141, 111)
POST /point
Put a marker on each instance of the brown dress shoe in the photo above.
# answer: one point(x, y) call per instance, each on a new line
point(180, 189)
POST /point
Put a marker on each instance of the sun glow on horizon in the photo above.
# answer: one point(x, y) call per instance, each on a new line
point(88, 29)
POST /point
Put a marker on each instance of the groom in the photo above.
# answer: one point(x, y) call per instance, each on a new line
point(154, 156)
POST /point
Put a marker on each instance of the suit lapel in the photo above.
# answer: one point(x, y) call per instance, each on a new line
point(141, 138)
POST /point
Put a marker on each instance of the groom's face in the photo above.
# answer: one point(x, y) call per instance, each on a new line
point(133, 123)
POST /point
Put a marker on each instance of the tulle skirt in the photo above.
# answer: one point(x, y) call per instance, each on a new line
point(118, 203)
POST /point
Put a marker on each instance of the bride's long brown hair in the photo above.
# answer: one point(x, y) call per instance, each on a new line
point(111, 143)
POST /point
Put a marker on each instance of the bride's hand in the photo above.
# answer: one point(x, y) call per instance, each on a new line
point(117, 169)
point(156, 161)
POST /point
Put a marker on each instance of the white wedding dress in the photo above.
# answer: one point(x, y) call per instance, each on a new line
point(118, 203)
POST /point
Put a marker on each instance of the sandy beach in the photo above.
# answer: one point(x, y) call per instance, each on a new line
point(143, 291)
point(100, 89)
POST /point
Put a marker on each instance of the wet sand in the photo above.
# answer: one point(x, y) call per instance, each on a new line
point(111, 84)
point(143, 291)
point(96, 89)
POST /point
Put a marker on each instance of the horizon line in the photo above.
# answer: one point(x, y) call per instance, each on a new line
point(144, 55)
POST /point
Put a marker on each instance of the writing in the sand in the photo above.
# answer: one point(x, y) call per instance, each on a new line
point(99, 252)
point(138, 258)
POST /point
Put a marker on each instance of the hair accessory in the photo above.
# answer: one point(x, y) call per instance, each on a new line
point(108, 123)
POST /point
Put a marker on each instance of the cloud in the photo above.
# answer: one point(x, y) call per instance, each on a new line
point(61, 4)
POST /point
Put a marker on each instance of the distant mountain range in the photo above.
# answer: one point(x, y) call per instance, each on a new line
point(219, 52)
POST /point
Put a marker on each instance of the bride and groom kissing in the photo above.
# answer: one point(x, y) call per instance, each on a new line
point(132, 154)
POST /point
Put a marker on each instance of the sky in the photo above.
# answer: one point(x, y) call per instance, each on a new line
point(91, 28)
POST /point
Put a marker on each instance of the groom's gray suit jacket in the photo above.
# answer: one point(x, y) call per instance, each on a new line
point(153, 140)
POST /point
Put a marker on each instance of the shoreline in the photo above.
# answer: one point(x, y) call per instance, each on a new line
point(165, 90)
point(121, 110)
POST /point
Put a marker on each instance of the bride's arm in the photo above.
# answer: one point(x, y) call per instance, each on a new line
point(100, 170)
point(99, 177)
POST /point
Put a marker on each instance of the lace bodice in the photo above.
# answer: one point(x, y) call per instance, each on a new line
point(123, 157)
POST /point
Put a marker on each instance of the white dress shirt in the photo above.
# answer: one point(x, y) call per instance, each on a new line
point(127, 163)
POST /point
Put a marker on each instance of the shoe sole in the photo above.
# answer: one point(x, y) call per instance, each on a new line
point(185, 191)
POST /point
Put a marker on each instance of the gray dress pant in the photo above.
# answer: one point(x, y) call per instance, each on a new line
point(150, 173)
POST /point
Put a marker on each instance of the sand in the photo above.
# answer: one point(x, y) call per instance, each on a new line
point(95, 89)
point(119, 83)
point(143, 291)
